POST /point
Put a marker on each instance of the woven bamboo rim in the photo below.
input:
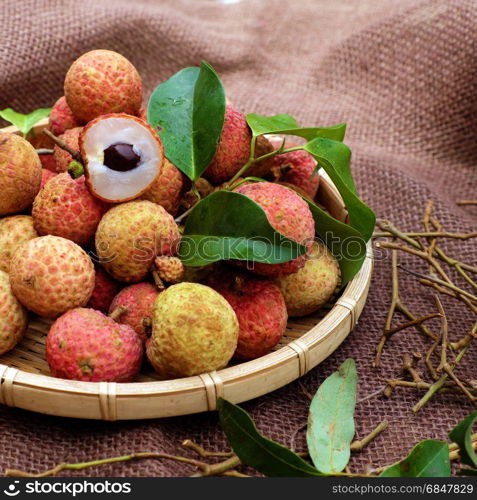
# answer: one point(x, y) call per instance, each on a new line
point(24, 380)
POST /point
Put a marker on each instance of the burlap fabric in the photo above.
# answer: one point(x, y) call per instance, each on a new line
point(401, 73)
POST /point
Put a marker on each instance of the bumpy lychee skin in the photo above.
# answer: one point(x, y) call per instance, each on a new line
point(48, 162)
point(20, 174)
point(50, 275)
point(84, 344)
point(260, 309)
point(312, 286)
point(46, 175)
point(101, 82)
point(167, 188)
point(13, 316)
point(14, 231)
point(138, 300)
point(262, 147)
point(66, 208)
point(169, 269)
point(289, 215)
point(195, 330)
point(233, 149)
point(62, 157)
point(131, 235)
point(105, 289)
point(62, 118)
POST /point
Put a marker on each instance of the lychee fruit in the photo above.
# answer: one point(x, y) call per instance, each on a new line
point(137, 302)
point(260, 309)
point(101, 82)
point(122, 155)
point(13, 316)
point(63, 158)
point(169, 269)
point(233, 149)
point(105, 289)
point(48, 162)
point(167, 188)
point(62, 118)
point(195, 330)
point(84, 344)
point(288, 214)
point(50, 275)
point(131, 235)
point(260, 169)
point(46, 175)
point(66, 208)
point(14, 231)
point(20, 173)
point(313, 285)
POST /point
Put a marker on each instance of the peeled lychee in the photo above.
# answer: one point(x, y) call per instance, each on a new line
point(13, 317)
point(14, 231)
point(46, 175)
point(62, 157)
point(105, 289)
point(313, 285)
point(131, 235)
point(289, 215)
point(101, 82)
point(167, 188)
point(260, 309)
point(138, 301)
point(66, 208)
point(195, 330)
point(122, 155)
point(84, 344)
point(20, 174)
point(233, 149)
point(62, 118)
point(50, 275)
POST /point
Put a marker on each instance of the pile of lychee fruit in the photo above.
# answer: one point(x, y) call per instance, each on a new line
point(97, 251)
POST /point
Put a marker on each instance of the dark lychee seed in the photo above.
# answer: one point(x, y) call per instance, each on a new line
point(121, 157)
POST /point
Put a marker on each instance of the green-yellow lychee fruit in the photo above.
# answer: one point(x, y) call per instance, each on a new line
point(14, 231)
point(195, 330)
point(313, 285)
point(20, 173)
point(131, 235)
point(13, 317)
point(101, 82)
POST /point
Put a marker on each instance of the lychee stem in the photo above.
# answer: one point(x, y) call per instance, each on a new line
point(75, 154)
point(75, 169)
point(157, 280)
point(118, 312)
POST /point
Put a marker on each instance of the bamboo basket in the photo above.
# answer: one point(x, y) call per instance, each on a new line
point(25, 381)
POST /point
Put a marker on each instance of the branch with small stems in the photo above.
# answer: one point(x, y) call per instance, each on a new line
point(466, 202)
point(61, 144)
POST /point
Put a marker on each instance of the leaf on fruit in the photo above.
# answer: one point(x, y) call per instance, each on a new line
point(253, 449)
point(428, 458)
point(24, 123)
point(229, 225)
point(188, 112)
point(331, 420)
point(462, 435)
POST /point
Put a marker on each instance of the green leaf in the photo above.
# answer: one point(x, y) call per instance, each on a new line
point(343, 241)
point(330, 422)
point(428, 458)
point(253, 449)
point(229, 225)
point(188, 112)
point(287, 125)
point(335, 158)
point(24, 122)
point(462, 435)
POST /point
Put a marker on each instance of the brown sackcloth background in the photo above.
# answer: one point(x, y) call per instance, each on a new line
point(401, 73)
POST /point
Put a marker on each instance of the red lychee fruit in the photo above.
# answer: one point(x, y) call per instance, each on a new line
point(50, 275)
point(167, 188)
point(62, 118)
point(101, 82)
point(137, 301)
point(62, 157)
point(260, 309)
point(66, 208)
point(84, 344)
point(105, 289)
point(288, 214)
point(48, 162)
point(46, 175)
point(20, 174)
point(122, 155)
point(233, 149)
point(14, 231)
